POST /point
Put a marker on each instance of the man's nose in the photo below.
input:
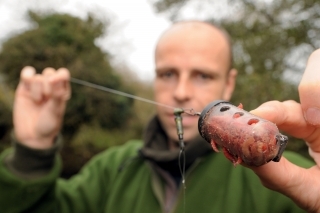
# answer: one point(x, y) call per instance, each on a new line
point(182, 90)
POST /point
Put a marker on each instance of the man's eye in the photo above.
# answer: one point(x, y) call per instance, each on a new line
point(167, 74)
point(204, 76)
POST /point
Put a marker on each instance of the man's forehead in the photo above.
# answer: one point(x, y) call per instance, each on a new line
point(192, 31)
point(194, 34)
point(196, 27)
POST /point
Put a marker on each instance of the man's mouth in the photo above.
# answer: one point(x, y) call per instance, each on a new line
point(187, 120)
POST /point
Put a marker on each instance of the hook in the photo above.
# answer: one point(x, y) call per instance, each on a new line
point(178, 119)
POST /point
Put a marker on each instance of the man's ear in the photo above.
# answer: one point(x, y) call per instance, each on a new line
point(230, 84)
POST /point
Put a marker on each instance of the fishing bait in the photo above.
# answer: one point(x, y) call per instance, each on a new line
point(243, 137)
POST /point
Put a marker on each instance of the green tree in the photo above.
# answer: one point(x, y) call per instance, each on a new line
point(6, 97)
point(271, 43)
point(60, 40)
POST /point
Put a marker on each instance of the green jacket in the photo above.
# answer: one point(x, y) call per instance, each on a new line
point(118, 181)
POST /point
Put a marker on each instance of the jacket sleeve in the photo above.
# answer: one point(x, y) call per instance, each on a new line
point(22, 194)
point(85, 192)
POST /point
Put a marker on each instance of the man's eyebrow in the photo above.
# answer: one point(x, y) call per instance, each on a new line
point(207, 71)
point(164, 69)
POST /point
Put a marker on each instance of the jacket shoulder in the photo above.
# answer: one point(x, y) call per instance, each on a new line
point(114, 157)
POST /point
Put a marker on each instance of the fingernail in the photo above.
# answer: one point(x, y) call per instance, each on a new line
point(312, 115)
point(28, 71)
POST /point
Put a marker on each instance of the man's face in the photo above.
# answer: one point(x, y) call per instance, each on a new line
point(191, 71)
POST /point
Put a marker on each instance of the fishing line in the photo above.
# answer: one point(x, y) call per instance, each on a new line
point(182, 167)
point(182, 157)
point(106, 89)
point(188, 111)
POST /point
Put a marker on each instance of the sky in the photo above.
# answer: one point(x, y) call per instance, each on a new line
point(133, 32)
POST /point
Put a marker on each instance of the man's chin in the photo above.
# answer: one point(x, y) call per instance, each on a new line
point(186, 138)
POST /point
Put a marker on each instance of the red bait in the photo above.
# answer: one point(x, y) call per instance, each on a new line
point(243, 136)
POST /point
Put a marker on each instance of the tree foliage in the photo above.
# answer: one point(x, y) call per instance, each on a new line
point(271, 43)
point(60, 40)
point(6, 97)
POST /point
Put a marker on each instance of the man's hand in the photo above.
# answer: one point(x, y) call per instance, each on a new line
point(39, 106)
point(301, 121)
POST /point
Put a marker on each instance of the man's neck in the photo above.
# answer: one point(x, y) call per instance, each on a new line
point(173, 145)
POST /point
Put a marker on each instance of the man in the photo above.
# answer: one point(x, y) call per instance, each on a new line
point(193, 68)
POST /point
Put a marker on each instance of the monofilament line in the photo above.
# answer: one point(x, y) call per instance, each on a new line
point(106, 89)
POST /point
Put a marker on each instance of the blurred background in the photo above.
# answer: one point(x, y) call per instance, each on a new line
point(111, 43)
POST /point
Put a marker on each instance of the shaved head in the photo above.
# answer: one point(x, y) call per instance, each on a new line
point(191, 30)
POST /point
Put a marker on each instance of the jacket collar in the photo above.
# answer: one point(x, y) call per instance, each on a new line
point(156, 148)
